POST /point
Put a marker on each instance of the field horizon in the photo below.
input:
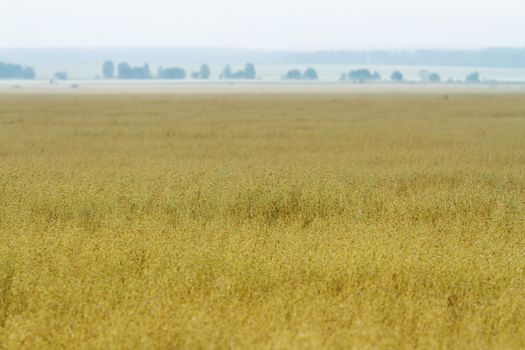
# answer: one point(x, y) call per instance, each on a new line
point(170, 89)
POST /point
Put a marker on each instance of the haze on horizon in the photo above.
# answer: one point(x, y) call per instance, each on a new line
point(269, 24)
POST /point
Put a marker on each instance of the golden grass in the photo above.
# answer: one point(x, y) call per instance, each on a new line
point(380, 221)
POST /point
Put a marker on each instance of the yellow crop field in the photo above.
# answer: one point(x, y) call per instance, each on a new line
point(262, 221)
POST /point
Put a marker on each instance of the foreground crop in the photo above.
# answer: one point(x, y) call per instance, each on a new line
point(267, 222)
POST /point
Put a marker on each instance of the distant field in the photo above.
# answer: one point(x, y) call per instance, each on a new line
point(159, 88)
point(262, 221)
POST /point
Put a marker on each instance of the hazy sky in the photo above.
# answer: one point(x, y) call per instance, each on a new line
point(265, 24)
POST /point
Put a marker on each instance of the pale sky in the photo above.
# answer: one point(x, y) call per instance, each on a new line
point(263, 24)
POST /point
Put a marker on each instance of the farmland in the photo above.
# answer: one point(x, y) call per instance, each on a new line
point(262, 221)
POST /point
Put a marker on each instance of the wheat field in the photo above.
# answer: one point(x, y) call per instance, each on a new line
point(376, 221)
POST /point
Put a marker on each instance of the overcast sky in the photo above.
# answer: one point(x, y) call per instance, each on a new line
point(263, 24)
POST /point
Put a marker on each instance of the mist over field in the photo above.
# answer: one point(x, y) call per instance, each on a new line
point(59, 36)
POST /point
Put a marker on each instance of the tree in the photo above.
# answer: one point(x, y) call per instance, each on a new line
point(28, 73)
point(125, 71)
point(397, 76)
point(238, 75)
point(144, 73)
point(204, 73)
point(294, 74)
point(472, 77)
point(360, 75)
point(108, 70)
point(172, 73)
point(16, 71)
point(226, 72)
point(249, 71)
point(61, 75)
point(434, 78)
point(310, 74)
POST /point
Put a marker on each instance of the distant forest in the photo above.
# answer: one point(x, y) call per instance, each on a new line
point(23, 63)
point(491, 57)
point(510, 58)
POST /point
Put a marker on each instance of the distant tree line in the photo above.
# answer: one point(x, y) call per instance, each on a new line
point(171, 73)
point(397, 76)
point(62, 75)
point(364, 75)
point(429, 77)
point(473, 77)
point(16, 71)
point(247, 73)
point(360, 76)
point(203, 73)
point(295, 74)
point(125, 71)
